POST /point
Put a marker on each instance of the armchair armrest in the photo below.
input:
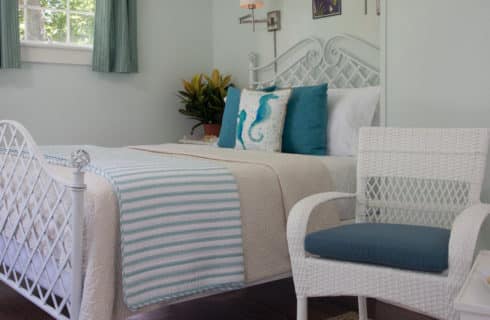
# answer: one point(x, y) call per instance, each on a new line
point(463, 243)
point(299, 216)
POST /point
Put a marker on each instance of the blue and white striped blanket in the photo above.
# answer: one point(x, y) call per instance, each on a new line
point(179, 218)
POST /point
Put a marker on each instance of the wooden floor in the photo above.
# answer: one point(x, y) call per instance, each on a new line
point(274, 301)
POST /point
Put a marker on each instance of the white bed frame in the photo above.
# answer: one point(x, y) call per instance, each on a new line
point(35, 258)
point(344, 61)
point(31, 198)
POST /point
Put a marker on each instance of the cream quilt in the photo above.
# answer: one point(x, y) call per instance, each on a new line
point(269, 185)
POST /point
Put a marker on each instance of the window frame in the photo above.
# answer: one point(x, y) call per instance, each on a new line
point(55, 51)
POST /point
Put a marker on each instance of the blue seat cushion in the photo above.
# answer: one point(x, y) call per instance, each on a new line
point(405, 247)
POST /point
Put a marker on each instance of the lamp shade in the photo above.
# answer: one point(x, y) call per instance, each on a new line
point(251, 4)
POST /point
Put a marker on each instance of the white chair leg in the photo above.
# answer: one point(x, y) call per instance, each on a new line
point(302, 309)
point(362, 305)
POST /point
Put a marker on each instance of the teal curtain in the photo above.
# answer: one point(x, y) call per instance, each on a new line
point(9, 34)
point(115, 41)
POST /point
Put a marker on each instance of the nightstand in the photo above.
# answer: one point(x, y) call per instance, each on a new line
point(473, 301)
point(202, 142)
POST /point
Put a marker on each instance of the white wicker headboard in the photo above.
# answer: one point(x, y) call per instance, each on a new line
point(344, 61)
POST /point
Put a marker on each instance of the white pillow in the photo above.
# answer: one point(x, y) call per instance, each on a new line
point(260, 122)
point(349, 110)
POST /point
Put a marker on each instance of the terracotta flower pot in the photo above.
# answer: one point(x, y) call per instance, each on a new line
point(212, 129)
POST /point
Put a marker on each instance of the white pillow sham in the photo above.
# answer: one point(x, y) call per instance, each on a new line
point(348, 111)
point(261, 118)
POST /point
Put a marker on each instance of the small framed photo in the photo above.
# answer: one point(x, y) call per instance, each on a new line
point(326, 8)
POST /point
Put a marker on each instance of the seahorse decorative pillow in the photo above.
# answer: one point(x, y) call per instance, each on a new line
point(260, 122)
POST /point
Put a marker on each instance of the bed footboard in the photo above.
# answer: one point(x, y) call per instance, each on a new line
point(41, 224)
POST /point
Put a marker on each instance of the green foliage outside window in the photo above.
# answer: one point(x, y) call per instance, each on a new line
point(50, 23)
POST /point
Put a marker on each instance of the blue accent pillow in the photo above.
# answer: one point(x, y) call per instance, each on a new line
point(227, 136)
point(405, 247)
point(306, 121)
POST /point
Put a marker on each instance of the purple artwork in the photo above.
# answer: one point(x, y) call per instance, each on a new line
point(326, 8)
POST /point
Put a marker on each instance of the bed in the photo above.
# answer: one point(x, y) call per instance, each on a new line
point(59, 227)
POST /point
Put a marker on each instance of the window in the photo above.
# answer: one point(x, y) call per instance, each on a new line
point(59, 31)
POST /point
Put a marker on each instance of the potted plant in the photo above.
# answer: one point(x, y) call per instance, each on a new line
point(203, 100)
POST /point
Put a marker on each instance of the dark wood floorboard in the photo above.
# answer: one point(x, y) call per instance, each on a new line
point(273, 301)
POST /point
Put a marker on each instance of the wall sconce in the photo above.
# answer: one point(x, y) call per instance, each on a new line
point(273, 20)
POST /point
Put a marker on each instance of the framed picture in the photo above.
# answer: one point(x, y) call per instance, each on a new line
point(326, 8)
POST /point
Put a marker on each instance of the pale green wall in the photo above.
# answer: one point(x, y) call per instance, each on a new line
point(233, 42)
point(438, 64)
point(73, 105)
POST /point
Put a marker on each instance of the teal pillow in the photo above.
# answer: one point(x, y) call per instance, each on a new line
point(227, 136)
point(305, 129)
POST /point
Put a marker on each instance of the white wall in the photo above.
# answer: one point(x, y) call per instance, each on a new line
point(73, 105)
point(438, 68)
point(233, 42)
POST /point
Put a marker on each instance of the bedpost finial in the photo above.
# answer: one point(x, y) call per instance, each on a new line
point(80, 159)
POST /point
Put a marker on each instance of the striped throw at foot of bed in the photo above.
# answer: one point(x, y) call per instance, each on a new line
point(179, 218)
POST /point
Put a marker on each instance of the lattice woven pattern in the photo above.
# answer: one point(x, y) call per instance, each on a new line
point(410, 176)
point(346, 73)
point(322, 63)
point(413, 201)
point(419, 176)
point(35, 230)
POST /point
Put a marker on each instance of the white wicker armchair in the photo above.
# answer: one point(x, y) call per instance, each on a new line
point(430, 177)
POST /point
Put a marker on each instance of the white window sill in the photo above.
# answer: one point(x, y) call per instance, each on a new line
point(57, 53)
